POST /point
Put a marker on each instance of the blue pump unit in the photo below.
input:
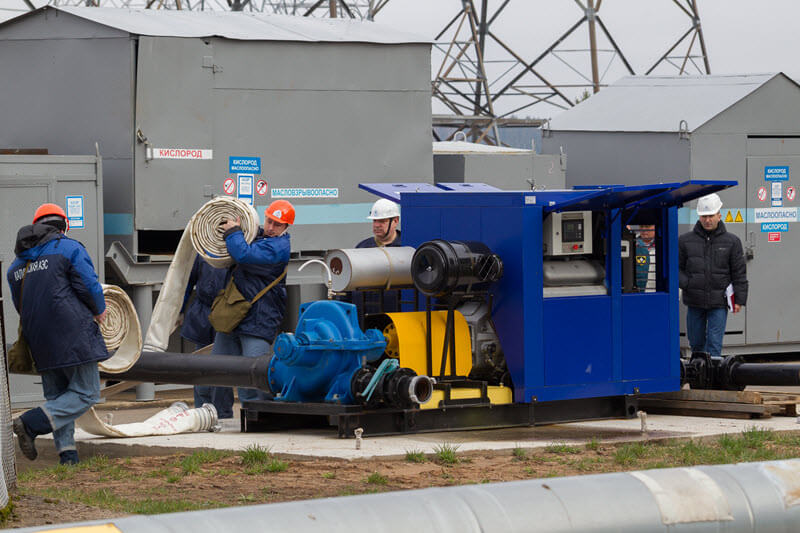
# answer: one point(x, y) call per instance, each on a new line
point(318, 361)
point(560, 346)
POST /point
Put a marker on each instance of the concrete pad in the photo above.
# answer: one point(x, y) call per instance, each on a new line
point(325, 443)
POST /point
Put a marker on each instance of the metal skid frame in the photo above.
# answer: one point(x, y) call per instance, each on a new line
point(257, 416)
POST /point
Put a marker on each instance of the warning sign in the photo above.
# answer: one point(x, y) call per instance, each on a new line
point(762, 194)
point(738, 217)
point(774, 237)
point(790, 193)
point(728, 217)
point(229, 186)
point(261, 187)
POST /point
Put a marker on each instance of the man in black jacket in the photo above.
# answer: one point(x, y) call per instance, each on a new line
point(710, 261)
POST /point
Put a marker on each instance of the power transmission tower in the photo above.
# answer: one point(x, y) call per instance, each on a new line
point(357, 9)
point(480, 73)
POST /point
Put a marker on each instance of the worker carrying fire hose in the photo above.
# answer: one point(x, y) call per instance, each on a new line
point(249, 311)
point(60, 301)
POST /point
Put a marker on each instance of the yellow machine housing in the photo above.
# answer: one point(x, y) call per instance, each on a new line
point(406, 335)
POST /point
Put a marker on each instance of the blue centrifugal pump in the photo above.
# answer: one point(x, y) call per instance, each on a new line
point(327, 357)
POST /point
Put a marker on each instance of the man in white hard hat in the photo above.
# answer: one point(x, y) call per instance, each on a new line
point(385, 216)
point(711, 263)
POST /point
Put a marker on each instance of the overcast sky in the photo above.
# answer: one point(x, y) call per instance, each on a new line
point(742, 36)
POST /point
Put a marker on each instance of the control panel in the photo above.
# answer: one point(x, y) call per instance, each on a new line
point(568, 233)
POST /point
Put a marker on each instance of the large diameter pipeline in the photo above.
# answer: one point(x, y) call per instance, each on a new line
point(748, 497)
point(362, 268)
point(197, 369)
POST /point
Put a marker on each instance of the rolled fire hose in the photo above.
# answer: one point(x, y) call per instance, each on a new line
point(121, 331)
point(177, 418)
point(203, 235)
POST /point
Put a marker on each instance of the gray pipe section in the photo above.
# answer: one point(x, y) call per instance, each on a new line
point(747, 497)
point(143, 302)
point(197, 369)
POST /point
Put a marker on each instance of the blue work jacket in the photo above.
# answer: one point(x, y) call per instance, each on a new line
point(207, 282)
point(59, 300)
point(257, 265)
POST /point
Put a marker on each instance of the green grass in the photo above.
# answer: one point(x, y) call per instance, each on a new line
point(255, 454)
point(560, 447)
point(593, 444)
point(259, 459)
point(272, 465)
point(628, 454)
point(415, 456)
point(377, 478)
point(329, 475)
point(519, 454)
point(106, 499)
point(446, 453)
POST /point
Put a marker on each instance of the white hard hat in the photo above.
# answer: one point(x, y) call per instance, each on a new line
point(709, 205)
point(384, 208)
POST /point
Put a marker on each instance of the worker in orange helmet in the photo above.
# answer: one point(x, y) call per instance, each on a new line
point(60, 301)
point(258, 265)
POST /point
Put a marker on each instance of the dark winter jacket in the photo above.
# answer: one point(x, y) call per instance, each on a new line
point(257, 265)
point(60, 298)
point(207, 281)
point(708, 263)
point(370, 301)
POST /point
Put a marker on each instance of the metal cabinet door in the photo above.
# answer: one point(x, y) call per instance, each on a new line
point(773, 311)
point(173, 111)
point(18, 199)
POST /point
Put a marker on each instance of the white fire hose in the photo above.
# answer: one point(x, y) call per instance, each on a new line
point(203, 235)
point(177, 418)
point(121, 331)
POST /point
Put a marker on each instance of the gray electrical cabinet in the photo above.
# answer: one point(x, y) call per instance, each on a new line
point(187, 105)
point(511, 169)
point(744, 128)
point(27, 181)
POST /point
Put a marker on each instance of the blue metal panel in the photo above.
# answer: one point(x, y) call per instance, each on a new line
point(467, 187)
point(614, 284)
point(645, 329)
point(577, 341)
point(391, 191)
point(670, 223)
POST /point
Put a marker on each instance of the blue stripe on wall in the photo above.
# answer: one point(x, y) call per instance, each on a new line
point(118, 223)
point(327, 213)
point(689, 216)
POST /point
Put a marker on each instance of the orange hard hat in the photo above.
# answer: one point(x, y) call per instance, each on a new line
point(280, 211)
point(46, 210)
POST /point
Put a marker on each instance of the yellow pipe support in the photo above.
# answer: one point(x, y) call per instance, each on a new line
point(498, 394)
point(406, 341)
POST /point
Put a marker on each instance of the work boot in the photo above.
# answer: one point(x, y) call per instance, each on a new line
point(68, 457)
point(28, 426)
point(24, 439)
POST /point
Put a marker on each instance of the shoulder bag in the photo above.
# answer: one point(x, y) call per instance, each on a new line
point(20, 360)
point(230, 307)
